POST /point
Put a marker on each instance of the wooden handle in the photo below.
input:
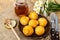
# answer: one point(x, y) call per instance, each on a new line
point(15, 32)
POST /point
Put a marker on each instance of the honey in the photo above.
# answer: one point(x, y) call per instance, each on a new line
point(21, 9)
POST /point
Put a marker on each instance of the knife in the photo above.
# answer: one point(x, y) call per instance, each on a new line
point(56, 28)
point(53, 27)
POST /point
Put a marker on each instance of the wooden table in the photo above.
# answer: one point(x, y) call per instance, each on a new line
point(7, 11)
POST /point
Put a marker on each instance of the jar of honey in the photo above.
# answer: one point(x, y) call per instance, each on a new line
point(21, 7)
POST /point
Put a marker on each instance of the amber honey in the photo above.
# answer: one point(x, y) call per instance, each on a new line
point(21, 9)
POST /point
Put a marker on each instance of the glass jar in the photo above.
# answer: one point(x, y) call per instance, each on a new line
point(21, 7)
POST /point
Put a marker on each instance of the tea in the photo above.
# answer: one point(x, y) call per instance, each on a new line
point(21, 9)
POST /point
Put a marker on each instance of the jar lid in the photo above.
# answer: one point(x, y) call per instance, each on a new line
point(20, 1)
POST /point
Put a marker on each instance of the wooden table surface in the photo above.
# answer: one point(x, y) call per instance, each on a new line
point(6, 11)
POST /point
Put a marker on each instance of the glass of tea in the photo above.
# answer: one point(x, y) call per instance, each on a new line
point(21, 7)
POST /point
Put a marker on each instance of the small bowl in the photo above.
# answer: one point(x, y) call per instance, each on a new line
point(47, 29)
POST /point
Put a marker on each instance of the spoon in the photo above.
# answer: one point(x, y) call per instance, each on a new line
point(10, 23)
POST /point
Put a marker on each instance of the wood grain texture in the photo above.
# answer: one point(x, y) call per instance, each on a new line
point(5, 5)
point(8, 12)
